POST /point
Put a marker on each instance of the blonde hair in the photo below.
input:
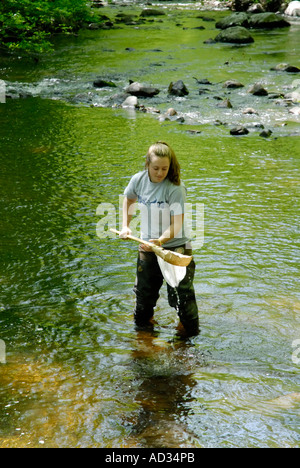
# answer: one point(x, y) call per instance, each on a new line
point(163, 150)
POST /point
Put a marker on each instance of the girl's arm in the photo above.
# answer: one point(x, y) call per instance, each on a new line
point(127, 216)
point(172, 231)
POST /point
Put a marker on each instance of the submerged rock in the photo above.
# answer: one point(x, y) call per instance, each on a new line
point(285, 67)
point(225, 104)
point(232, 84)
point(100, 83)
point(140, 90)
point(266, 133)
point(258, 90)
point(235, 35)
point(236, 19)
point(267, 21)
point(178, 89)
point(238, 131)
point(152, 12)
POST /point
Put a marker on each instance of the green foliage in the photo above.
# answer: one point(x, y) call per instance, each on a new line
point(27, 25)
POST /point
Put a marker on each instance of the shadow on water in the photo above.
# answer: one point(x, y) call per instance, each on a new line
point(164, 391)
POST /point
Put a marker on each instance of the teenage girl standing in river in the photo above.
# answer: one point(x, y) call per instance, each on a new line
point(161, 198)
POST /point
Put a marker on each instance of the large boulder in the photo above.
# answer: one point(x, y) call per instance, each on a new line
point(235, 35)
point(293, 9)
point(267, 21)
point(236, 19)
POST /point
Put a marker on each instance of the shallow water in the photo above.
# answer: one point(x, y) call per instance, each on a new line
point(77, 374)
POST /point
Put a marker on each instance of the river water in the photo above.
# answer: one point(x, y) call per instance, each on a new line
point(77, 373)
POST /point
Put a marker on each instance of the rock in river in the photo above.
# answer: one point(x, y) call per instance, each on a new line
point(293, 9)
point(100, 83)
point(232, 84)
point(236, 19)
point(235, 35)
point(178, 88)
point(258, 90)
point(267, 21)
point(139, 90)
point(285, 67)
point(131, 102)
point(239, 131)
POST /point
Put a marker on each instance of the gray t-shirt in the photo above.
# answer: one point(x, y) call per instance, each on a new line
point(157, 203)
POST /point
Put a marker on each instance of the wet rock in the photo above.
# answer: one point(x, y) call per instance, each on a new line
point(116, 99)
point(171, 112)
point(94, 26)
point(258, 90)
point(225, 104)
point(293, 9)
point(295, 111)
point(256, 8)
point(235, 35)
point(232, 84)
point(83, 98)
point(239, 131)
point(266, 133)
point(267, 21)
point(150, 110)
point(152, 12)
point(126, 18)
point(210, 41)
point(131, 102)
point(250, 111)
point(194, 132)
point(294, 96)
point(178, 89)
point(139, 90)
point(241, 5)
point(97, 4)
point(203, 81)
point(100, 83)
point(285, 67)
point(236, 19)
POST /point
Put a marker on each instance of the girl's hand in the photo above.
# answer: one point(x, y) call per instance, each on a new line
point(156, 242)
point(153, 241)
point(126, 231)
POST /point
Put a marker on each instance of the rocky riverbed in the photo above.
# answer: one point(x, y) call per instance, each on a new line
point(263, 98)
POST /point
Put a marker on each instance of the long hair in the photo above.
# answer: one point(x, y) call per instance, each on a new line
point(163, 150)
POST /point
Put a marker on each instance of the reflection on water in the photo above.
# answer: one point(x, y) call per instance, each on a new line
point(77, 373)
point(164, 393)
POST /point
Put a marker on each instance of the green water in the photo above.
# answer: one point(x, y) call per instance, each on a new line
point(77, 374)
